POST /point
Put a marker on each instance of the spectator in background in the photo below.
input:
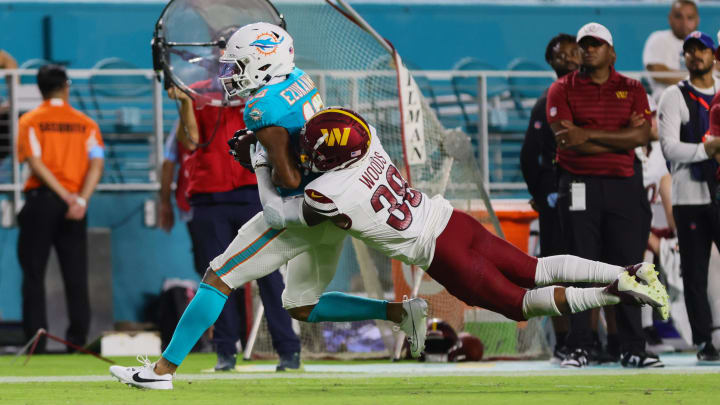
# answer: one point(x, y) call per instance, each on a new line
point(537, 160)
point(223, 196)
point(599, 116)
point(683, 121)
point(6, 62)
point(663, 49)
point(65, 152)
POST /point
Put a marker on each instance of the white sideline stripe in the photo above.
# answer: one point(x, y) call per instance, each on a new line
point(325, 376)
point(675, 364)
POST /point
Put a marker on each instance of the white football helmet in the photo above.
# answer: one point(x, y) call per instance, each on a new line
point(255, 54)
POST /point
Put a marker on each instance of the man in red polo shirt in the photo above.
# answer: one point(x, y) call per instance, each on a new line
point(599, 116)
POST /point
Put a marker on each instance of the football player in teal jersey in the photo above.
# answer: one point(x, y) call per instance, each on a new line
point(259, 65)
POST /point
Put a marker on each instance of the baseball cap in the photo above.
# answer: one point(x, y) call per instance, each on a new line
point(595, 30)
point(702, 37)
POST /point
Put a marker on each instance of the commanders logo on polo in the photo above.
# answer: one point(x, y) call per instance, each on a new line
point(621, 95)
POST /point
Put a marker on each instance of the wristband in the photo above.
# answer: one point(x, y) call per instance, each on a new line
point(81, 201)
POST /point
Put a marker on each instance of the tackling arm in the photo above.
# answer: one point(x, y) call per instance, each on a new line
point(282, 212)
point(278, 212)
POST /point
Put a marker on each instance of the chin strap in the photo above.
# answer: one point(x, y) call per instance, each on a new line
point(279, 212)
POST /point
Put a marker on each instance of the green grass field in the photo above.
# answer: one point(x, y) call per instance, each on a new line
point(344, 388)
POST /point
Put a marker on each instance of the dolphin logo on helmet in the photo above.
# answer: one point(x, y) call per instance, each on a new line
point(265, 43)
point(254, 55)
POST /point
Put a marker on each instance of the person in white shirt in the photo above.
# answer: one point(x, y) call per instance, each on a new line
point(683, 122)
point(658, 185)
point(663, 49)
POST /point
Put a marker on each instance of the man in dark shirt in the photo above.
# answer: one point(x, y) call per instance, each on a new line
point(537, 160)
point(599, 116)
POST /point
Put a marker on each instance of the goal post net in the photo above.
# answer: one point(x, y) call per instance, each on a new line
point(354, 68)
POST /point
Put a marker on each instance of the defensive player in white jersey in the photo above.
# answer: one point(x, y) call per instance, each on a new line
point(363, 192)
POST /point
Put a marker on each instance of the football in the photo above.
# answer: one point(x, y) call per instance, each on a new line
point(240, 147)
point(471, 346)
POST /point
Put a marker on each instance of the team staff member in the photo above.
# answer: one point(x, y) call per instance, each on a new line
point(683, 123)
point(599, 116)
point(177, 155)
point(223, 196)
point(65, 152)
point(537, 160)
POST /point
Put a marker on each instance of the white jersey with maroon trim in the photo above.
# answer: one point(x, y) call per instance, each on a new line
point(654, 169)
point(383, 211)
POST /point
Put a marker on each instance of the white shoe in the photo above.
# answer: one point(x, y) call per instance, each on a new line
point(142, 377)
point(414, 324)
point(630, 291)
point(646, 272)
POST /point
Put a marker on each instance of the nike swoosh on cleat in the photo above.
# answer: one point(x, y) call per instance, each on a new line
point(136, 377)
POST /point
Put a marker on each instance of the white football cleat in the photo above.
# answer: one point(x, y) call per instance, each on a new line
point(631, 291)
point(414, 324)
point(646, 272)
point(143, 376)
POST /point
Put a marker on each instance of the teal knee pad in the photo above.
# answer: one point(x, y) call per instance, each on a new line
point(201, 313)
point(337, 307)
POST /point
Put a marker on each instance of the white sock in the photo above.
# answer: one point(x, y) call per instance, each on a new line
point(647, 316)
point(573, 269)
point(540, 302)
point(581, 299)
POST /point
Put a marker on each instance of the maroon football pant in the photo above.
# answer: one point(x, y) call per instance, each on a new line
point(481, 269)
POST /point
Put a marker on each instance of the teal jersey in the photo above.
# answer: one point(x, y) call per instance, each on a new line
point(288, 104)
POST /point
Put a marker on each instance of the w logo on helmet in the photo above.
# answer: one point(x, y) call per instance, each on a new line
point(334, 136)
point(267, 43)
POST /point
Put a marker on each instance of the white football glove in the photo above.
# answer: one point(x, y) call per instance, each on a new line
point(258, 156)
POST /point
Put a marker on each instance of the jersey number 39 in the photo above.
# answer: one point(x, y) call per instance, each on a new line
point(398, 202)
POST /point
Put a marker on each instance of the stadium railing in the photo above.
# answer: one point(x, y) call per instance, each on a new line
point(135, 114)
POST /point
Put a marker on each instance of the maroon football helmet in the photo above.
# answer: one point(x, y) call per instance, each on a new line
point(334, 138)
point(442, 343)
